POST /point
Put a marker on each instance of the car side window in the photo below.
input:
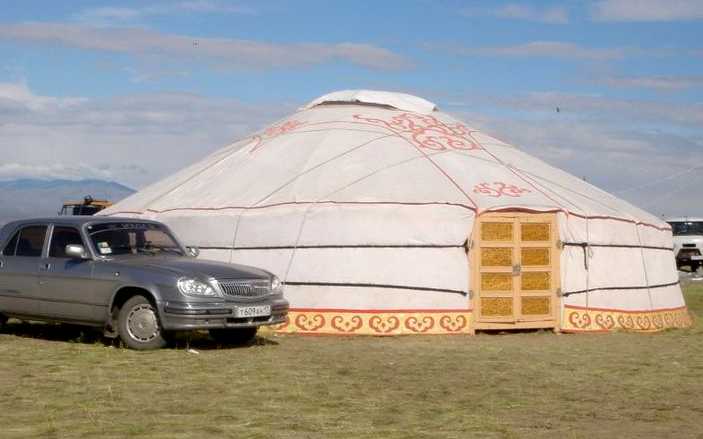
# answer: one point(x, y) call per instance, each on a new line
point(61, 237)
point(31, 241)
point(11, 246)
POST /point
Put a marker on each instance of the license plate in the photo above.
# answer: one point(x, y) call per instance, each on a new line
point(253, 311)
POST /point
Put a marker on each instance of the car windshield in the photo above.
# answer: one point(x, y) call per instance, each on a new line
point(687, 227)
point(114, 239)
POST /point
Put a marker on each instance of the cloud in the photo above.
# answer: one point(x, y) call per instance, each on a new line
point(131, 139)
point(647, 10)
point(232, 52)
point(661, 83)
point(20, 96)
point(515, 11)
point(615, 158)
point(616, 144)
point(548, 49)
point(619, 145)
point(554, 15)
point(604, 109)
point(50, 171)
point(108, 15)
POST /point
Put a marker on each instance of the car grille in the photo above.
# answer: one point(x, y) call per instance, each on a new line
point(245, 287)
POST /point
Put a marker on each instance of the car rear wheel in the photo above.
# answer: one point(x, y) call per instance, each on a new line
point(234, 336)
point(138, 325)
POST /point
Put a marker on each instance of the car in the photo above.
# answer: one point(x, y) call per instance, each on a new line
point(688, 241)
point(131, 277)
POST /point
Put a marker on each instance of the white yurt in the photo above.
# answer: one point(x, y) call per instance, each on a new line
point(385, 216)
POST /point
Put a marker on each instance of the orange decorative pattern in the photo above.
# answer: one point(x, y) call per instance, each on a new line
point(577, 319)
point(274, 131)
point(533, 306)
point(496, 257)
point(533, 256)
point(426, 131)
point(499, 189)
point(391, 322)
point(497, 232)
point(403, 322)
point(496, 281)
point(536, 280)
point(497, 306)
point(535, 232)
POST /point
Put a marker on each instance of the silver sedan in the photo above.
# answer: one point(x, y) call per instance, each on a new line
point(133, 278)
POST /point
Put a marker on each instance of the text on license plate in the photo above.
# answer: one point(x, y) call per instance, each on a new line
point(253, 311)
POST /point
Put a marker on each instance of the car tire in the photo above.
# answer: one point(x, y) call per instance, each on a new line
point(234, 336)
point(3, 322)
point(138, 325)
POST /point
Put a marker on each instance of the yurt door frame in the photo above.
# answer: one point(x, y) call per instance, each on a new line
point(515, 271)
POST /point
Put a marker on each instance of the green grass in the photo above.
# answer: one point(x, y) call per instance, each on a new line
point(56, 383)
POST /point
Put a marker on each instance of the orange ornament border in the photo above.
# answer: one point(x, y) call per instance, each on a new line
point(446, 322)
point(381, 323)
point(580, 319)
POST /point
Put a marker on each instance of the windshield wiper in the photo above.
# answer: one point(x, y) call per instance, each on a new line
point(171, 250)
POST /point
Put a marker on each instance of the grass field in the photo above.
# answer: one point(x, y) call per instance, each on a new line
point(56, 382)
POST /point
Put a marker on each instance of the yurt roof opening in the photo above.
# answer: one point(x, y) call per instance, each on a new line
point(385, 216)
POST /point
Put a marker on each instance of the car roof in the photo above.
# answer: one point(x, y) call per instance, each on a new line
point(77, 220)
point(685, 219)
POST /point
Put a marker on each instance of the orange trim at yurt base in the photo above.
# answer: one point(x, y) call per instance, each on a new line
point(447, 322)
point(377, 322)
point(580, 319)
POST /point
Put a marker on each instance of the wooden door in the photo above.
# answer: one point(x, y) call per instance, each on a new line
point(515, 271)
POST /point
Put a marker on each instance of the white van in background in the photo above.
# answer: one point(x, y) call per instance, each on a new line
point(688, 241)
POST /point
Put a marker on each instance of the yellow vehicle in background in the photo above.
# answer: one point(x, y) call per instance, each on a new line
point(88, 206)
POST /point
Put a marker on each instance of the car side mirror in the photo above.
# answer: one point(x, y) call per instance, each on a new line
point(193, 252)
point(76, 251)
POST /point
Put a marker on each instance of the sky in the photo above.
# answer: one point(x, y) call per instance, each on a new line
point(132, 91)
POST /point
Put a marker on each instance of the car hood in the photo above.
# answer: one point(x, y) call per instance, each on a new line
point(185, 266)
point(680, 240)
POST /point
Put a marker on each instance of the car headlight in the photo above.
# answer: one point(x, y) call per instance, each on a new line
point(192, 287)
point(276, 284)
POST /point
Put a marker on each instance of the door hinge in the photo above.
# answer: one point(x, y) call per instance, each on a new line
point(517, 269)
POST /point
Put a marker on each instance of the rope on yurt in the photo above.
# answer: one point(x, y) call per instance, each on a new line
point(621, 288)
point(346, 186)
point(307, 209)
point(656, 182)
point(644, 267)
point(541, 189)
point(586, 255)
point(535, 177)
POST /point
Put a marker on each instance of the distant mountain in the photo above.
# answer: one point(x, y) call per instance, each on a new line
point(33, 198)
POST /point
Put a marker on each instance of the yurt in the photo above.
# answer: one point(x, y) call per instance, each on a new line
point(386, 216)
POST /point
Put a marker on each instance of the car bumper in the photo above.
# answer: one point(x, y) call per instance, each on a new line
point(178, 316)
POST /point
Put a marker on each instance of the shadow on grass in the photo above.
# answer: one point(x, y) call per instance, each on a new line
point(200, 340)
point(67, 333)
point(55, 332)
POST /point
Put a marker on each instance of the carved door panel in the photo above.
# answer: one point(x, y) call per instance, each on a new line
point(515, 261)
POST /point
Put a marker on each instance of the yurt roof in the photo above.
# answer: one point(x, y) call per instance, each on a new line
point(399, 101)
point(376, 148)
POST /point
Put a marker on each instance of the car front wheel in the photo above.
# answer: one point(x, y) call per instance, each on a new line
point(139, 326)
point(235, 336)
